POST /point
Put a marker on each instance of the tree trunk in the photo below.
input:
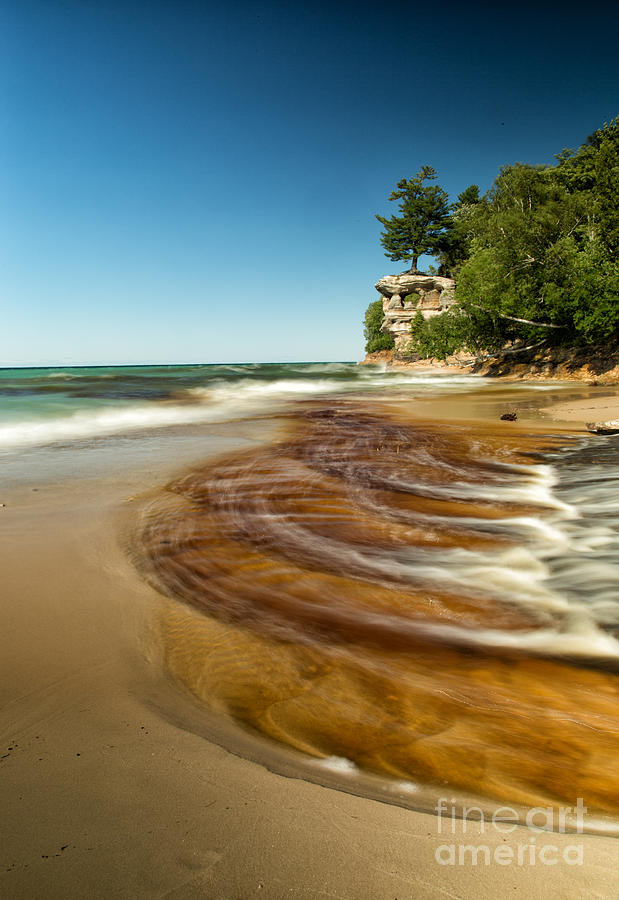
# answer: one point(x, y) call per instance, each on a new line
point(413, 269)
point(516, 319)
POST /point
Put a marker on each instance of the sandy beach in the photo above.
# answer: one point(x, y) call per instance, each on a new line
point(602, 408)
point(107, 793)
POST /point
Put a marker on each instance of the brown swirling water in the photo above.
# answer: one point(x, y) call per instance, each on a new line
point(374, 589)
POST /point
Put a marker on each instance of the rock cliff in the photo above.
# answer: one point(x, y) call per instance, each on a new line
point(405, 295)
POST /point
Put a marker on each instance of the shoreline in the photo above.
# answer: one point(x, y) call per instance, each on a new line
point(601, 404)
point(595, 366)
point(106, 794)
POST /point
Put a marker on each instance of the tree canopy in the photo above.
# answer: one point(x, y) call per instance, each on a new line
point(536, 259)
point(424, 217)
point(455, 243)
point(544, 247)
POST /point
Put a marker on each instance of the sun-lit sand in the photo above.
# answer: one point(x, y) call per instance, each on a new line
point(602, 408)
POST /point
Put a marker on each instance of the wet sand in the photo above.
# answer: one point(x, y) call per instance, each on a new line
point(109, 793)
point(602, 406)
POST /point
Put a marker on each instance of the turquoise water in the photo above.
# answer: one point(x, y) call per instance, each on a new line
point(39, 406)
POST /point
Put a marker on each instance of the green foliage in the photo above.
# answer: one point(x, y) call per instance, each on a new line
point(607, 194)
point(456, 241)
point(375, 339)
point(535, 259)
point(413, 298)
point(469, 196)
point(442, 335)
point(521, 235)
point(594, 296)
point(418, 324)
point(577, 169)
point(542, 249)
point(423, 219)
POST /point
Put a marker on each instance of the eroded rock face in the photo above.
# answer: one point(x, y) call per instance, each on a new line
point(405, 295)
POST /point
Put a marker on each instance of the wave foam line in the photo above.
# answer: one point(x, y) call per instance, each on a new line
point(206, 405)
point(94, 424)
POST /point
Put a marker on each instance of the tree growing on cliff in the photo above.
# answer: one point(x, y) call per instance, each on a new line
point(456, 242)
point(423, 221)
point(541, 263)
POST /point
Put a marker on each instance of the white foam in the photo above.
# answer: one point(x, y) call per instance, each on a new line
point(421, 380)
point(339, 764)
point(403, 787)
point(210, 403)
point(89, 424)
point(251, 388)
point(219, 403)
point(581, 639)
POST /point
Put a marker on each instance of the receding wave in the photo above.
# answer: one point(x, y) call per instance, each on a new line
point(72, 407)
point(90, 424)
point(398, 597)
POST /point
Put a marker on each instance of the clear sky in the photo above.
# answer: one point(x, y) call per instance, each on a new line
point(197, 181)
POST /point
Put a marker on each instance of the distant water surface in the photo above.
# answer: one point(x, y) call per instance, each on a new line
point(39, 406)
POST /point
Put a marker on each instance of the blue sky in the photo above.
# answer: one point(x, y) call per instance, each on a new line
point(197, 181)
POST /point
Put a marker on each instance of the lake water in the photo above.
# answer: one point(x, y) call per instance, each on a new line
point(398, 585)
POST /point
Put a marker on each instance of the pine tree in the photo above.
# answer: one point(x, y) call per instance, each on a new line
point(423, 220)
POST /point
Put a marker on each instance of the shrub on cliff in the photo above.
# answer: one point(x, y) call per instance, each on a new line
point(442, 335)
point(412, 298)
point(375, 339)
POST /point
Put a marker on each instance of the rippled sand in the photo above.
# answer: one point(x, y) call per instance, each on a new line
point(370, 588)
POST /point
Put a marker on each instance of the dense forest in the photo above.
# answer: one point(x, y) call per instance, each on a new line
point(535, 259)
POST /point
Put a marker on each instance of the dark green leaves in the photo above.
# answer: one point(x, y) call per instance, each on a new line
point(542, 245)
point(375, 339)
point(422, 220)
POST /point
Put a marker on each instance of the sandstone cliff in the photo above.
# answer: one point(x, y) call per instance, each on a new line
point(405, 295)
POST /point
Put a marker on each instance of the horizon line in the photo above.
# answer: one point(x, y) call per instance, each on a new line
point(149, 365)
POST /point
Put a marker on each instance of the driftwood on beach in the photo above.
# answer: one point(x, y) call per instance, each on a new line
point(611, 427)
